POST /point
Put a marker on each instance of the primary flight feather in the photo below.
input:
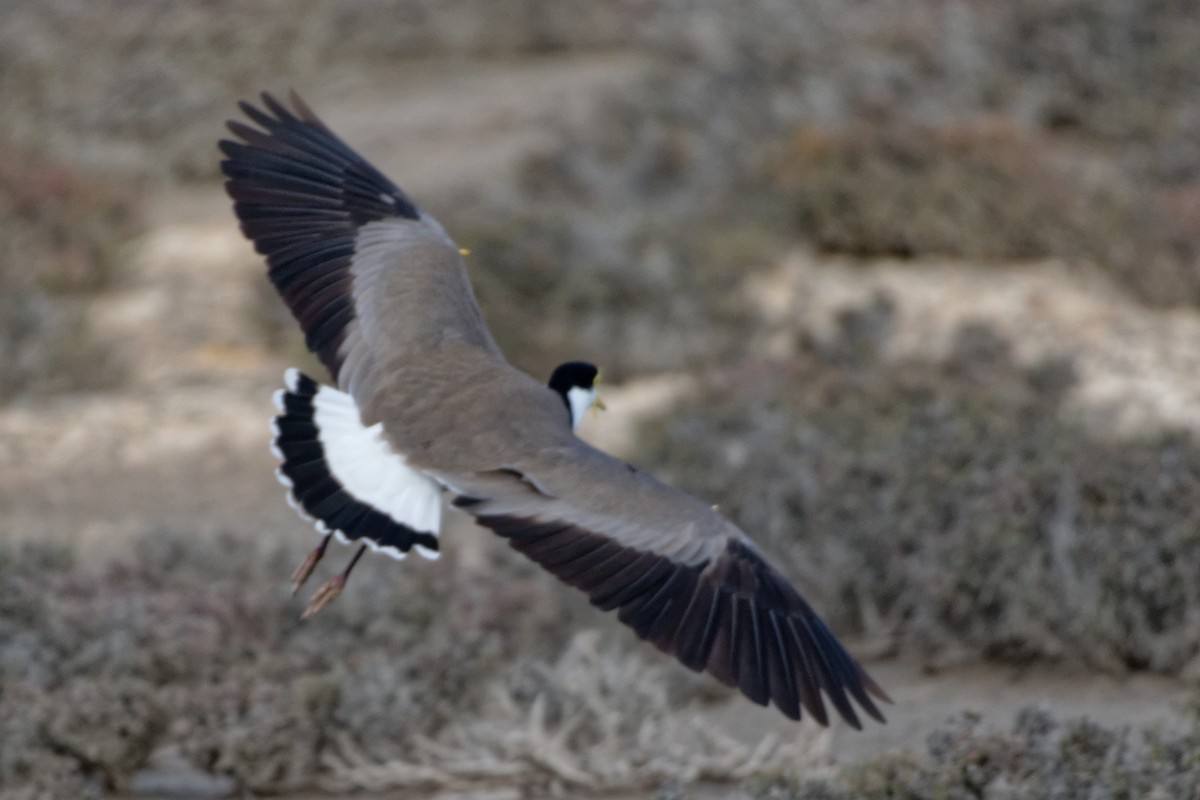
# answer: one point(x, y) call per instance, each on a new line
point(425, 404)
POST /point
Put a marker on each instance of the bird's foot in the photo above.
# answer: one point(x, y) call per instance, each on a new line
point(325, 595)
point(332, 587)
point(308, 565)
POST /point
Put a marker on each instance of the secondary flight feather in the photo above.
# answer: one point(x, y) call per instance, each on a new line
point(423, 404)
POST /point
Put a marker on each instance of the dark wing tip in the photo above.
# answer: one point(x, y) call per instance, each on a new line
point(304, 111)
point(302, 195)
point(736, 618)
point(874, 688)
point(810, 664)
point(287, 145)
point(274, 106)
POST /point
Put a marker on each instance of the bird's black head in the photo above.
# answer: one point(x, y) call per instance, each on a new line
point(575, 382)
point(571, 374)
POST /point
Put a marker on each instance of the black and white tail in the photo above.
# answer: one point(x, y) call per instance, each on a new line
point(345, 477)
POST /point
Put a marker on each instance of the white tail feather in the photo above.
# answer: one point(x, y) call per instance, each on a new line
point(360, 459)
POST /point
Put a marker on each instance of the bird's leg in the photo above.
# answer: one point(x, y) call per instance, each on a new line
point(332, 587)
point(309, 564)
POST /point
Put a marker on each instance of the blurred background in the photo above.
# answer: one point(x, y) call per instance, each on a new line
point(910, 289)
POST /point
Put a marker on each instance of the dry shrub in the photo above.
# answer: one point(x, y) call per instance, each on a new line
point(61, 234)
point(66, 226)
point(1108, 71)
point(190, 651)
point(989, 130)
point(597, 720)
point(887, 129)
point(1039, 758)
point(182, 648)
point(142, 86)
point(978, 191)
point(954, 506)
point(555, 287)
point(985, 190)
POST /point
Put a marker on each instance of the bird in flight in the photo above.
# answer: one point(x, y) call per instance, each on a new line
point(423, 404)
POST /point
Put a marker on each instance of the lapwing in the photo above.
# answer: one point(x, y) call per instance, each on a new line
point(423, 404)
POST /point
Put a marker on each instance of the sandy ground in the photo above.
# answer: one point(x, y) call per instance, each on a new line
point(187, 438)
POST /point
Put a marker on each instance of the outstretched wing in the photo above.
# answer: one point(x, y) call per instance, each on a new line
point(366, 273)
point(677, 572)
point(374, 282)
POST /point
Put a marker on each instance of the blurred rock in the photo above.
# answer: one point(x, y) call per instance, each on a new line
point(169, 775)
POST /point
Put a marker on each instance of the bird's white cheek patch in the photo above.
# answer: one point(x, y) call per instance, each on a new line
point(580, 400)
point(345, 476)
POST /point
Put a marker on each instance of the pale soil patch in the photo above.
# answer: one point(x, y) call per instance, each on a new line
point(1136, 366)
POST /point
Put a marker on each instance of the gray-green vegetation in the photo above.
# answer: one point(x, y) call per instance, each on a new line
point(954, 506)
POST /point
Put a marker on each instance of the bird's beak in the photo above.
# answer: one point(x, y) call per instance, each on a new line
point(598, 403)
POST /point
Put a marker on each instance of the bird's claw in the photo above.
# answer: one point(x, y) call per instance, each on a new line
point(308, 565)
point(324, 596)
point(305, 569)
